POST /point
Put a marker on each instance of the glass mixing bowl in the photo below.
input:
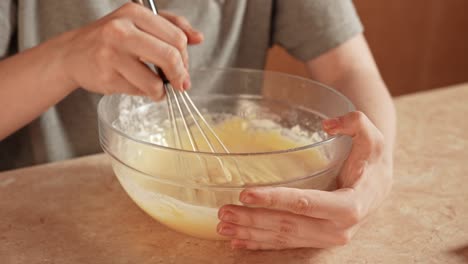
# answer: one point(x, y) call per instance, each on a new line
point(184, 189)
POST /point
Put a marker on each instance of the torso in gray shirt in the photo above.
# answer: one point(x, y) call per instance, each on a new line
point(237, 34)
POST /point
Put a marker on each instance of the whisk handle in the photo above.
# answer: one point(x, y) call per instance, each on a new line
point(151, 4)
point(161, 74)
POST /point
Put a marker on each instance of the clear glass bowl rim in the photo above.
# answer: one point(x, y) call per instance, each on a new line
point(108, 124)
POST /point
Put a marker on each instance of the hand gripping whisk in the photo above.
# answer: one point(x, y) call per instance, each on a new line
point(174, 99)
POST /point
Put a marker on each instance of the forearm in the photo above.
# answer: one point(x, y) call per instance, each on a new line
point(30, 83)
point(103, 57)
point(351, 69)
point(369, 94)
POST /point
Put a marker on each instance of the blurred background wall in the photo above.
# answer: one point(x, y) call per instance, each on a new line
point(418, 44)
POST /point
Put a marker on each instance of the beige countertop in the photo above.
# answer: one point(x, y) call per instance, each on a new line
point(76, 211)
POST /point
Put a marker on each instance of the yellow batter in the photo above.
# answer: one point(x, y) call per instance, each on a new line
point(193, 211)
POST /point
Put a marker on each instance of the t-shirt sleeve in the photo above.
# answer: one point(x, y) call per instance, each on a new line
point(7, 25)
point(308, 28)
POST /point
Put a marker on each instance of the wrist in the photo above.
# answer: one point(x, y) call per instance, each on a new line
point(57, 67)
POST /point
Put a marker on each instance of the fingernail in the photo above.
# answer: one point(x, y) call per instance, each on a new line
point(187, 84)
point(227, 231)
point(331, 123)
point(228, 216)
point(248, 199)
point(201, 35)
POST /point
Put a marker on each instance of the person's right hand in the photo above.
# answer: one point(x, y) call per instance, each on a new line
point(108, 55)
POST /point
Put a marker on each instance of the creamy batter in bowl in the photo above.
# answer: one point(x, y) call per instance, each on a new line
point(271, 123)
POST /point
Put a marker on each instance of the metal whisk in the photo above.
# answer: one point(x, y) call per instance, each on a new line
point(174, 99)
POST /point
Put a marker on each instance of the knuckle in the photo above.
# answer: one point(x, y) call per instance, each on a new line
point(287, 227)
point(358, 116)
point(248, 234)
point(342, 238)
point(251, 220)
point(354, 215)
point(301, 206)
point(280, 241)
point(172, 57)
point(130, 8)
point(116, 30)
point(273, 200)
point(181, 40)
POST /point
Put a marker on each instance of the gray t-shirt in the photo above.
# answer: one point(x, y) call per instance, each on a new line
point(237, 34)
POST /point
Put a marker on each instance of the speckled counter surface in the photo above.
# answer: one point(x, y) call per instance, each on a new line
point(76, 211)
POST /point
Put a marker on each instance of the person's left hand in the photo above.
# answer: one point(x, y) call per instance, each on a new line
point(283, 218)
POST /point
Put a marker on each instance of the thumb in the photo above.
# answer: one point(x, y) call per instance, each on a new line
point(352, 124)
point(368, 142)
point(358, 126)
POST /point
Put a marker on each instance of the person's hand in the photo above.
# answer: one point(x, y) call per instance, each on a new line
point(280, 218)
point(108, 55)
